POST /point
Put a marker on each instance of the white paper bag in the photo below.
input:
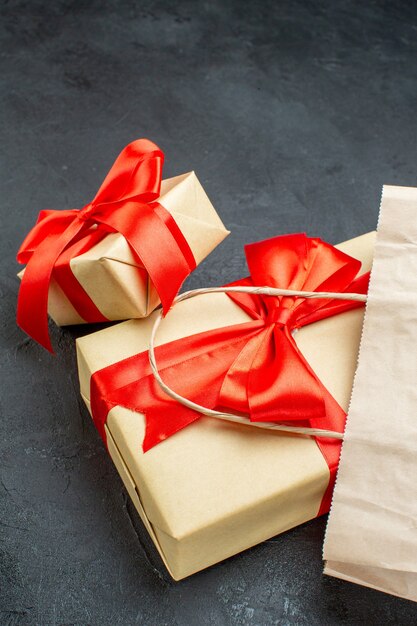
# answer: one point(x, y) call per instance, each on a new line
point(371, 535)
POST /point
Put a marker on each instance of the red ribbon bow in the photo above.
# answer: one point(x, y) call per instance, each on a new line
point(254, 368)
point(125, 203)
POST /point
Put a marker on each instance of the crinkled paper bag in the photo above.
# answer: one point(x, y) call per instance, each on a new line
point(371, 536)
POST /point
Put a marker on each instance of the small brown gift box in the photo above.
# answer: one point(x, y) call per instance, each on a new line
point(217, 488)
point(109, 272)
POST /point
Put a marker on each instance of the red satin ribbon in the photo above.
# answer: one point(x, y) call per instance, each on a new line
point(125, 203)
point(253, 368)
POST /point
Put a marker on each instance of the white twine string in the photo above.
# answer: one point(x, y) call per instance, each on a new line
point(230, 417)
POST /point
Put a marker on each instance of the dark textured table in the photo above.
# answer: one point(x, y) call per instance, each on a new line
point(293, 114)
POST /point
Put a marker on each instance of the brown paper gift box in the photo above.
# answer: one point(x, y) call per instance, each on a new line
point(217, 488)
point(110, 274)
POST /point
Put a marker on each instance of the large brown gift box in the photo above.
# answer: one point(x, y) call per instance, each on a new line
point(109, 272)
point(216, 488)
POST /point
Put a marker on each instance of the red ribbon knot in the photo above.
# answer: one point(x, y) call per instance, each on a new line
point(86, 213)
point(125, 204)
point(281, 316)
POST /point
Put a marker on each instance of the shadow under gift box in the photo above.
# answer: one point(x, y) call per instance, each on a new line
point(111, 275)
point(217, 488)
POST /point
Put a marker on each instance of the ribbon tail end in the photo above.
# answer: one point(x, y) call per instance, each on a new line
point(42, 339)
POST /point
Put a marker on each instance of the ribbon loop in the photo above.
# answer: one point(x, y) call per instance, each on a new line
point(125, 203)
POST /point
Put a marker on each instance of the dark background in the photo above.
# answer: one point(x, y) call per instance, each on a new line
point(293, 115)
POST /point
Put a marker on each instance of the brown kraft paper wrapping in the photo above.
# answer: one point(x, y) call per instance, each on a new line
point(216, 488)
point(109, 272)
point(371, 536)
